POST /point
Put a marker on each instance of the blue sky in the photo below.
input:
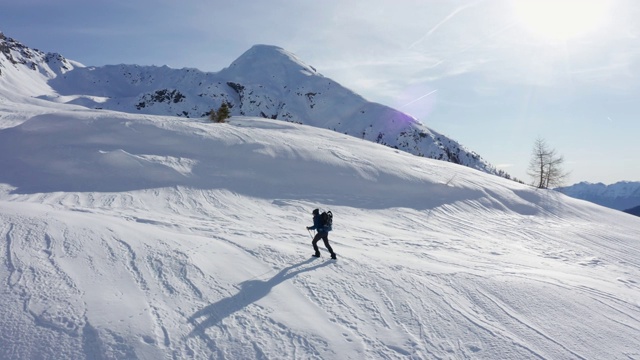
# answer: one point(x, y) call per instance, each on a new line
point(493, 74)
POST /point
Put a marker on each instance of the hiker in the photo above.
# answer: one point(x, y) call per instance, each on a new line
point(322, 233)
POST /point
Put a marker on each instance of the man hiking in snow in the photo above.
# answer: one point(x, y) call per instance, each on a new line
point(322, 233)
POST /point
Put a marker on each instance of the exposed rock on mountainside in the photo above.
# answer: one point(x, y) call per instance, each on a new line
point(16, 53)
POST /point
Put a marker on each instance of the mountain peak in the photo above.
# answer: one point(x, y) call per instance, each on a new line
point(267, 50)
point(268, 61)
point(48, 64)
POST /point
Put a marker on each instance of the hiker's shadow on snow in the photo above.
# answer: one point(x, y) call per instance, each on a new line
point(250, 292)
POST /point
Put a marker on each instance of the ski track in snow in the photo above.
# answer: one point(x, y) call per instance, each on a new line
point(462, 294)
point(191, 272)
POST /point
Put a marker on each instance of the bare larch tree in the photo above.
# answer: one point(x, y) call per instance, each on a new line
point(545, 166)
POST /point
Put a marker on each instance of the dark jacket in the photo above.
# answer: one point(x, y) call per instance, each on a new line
point(317, 224)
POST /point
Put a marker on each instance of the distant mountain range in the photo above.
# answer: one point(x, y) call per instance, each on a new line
point(265, 81)
point(634, 211)
point(623, 195)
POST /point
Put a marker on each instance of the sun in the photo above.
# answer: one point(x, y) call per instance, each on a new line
point(561, 20)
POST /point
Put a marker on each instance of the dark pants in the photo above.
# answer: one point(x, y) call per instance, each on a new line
point(325, 237)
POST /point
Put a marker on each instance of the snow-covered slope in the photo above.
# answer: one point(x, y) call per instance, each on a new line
point(622, 195)
point(265, 81)
point(148, 237)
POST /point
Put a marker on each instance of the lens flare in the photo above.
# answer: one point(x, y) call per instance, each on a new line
point(561, 20)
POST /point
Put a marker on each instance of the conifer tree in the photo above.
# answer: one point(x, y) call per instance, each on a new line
point(220, 115)
point(223, 112)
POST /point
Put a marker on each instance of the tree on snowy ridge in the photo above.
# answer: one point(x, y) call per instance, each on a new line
point(545, 166)
point(220, 115)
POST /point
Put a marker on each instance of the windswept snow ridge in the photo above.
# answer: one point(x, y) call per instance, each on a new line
point(145, 237)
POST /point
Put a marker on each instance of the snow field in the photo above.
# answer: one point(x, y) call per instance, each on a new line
point(152, 237)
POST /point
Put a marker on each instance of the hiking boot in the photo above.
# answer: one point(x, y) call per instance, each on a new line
point(316, 254)
point(333, 256)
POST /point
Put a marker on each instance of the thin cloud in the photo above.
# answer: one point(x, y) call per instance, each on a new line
point(444, 21)
point(421, 97)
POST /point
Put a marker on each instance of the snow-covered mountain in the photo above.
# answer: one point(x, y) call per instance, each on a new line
point(265, 81)
point(634, 211)
point(622, 195)
point(26, 71)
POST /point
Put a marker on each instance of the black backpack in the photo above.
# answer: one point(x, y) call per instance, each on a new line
point(326, 219)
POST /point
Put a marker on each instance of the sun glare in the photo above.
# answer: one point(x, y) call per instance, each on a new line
point(561, 20)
